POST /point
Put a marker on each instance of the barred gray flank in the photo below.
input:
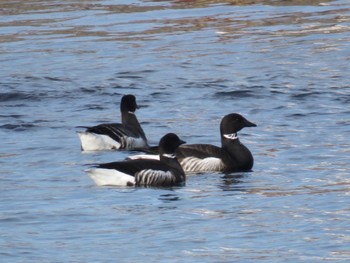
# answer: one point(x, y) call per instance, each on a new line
point(155, 178)
point(194, 164)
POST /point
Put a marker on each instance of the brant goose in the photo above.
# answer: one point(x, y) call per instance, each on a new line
point(164, 172)
point(232, 156)
point(126, 135)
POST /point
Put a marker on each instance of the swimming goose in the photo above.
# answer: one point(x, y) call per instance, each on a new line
point(232, 156)
point(164, 172)
point(126, 135)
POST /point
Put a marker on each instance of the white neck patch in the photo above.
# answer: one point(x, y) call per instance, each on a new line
point(231, 136)
point(131, 112)
point(169, 155)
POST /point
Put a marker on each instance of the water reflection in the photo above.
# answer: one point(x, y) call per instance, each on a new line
point(168, 201)
point(205, 3)
point(40, 6)
point(227, 23)
point(169, 198)
point(233, 182)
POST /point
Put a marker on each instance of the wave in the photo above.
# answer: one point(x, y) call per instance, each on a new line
point(18, 127)
point(12, 96)
point(243, 92)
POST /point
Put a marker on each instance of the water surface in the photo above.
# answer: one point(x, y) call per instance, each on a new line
point(282, 64)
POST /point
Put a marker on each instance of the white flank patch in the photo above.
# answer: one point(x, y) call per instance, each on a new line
point(97, 142)
point(209, 164)
point(134, 143)
point(144, 156)
point(103, 177)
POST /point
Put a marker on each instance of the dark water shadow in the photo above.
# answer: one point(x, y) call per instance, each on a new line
point(169, 198)
point(233, 182)
point(19, 126)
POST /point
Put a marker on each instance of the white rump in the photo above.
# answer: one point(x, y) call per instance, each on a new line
point(97, 142)
point(143, 156)
point(103, 177)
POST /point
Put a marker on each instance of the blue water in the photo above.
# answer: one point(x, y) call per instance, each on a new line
point(189, 63)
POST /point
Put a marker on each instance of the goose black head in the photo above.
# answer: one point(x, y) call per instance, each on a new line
point(128, 103)
point(234, 122)
point(169, 143)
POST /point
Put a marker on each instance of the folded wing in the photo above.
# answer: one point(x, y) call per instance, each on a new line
point(200, 158)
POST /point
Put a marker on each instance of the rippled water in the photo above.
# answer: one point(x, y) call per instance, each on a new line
point(282, 64)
